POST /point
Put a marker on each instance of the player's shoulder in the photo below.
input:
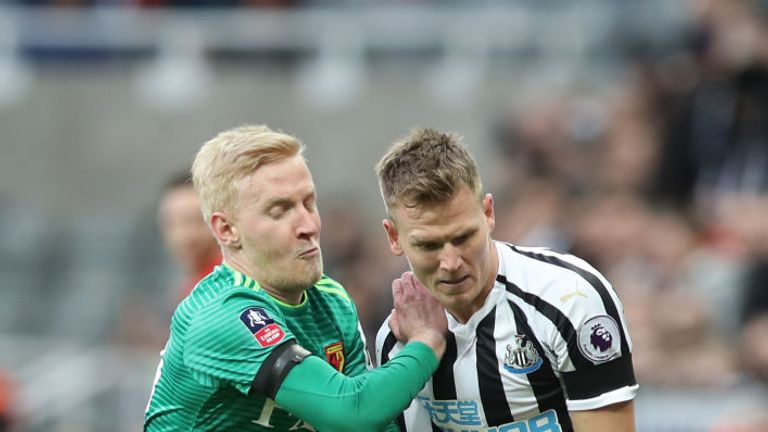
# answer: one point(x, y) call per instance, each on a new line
point(546, 264)
point(223, 291)
point(333, 291)
point(563, 280)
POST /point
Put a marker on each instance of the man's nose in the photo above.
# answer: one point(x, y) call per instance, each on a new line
point(309, 224)
point(450, 258)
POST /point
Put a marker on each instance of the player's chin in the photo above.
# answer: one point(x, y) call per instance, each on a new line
point(454, 299)
point(312, 271)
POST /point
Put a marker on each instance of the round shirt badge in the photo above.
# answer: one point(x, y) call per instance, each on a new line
point(600, 339)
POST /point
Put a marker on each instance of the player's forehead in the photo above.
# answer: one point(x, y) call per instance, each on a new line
point(285, 179)
point(442, 221)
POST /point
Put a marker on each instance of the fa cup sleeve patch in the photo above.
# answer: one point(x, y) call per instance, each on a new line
point(600, 339)
point(263, 328)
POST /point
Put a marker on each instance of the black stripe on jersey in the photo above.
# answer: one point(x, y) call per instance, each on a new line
point(544, 383)
point(443, 383)
point(492, 394)
point(389, 343)
point(556, 316)
point(596, 380)
point(605, 296)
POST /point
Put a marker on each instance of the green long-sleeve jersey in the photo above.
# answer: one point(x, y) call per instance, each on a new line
point(228, 330)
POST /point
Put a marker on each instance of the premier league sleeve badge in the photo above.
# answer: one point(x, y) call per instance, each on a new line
point(600, 339)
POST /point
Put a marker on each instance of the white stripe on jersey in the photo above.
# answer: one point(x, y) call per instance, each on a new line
point(580, 263)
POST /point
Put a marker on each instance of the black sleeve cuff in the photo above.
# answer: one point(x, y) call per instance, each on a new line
point(276, 367)
point(592, 381)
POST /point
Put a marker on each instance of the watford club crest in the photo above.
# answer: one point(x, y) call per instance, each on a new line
point(334, 353)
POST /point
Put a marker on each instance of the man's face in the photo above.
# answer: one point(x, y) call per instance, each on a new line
point(279, 226)
point(449, 248)
point(184, 231)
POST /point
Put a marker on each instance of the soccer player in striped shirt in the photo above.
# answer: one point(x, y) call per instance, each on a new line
point(537, 339)
point(266, 342)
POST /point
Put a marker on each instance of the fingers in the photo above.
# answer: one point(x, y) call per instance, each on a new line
point(412, 287)
point(397, 292)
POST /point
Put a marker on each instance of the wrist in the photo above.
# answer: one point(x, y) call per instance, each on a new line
point(433, 339)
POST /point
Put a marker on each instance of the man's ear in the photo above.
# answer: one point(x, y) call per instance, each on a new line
point(392, 236)
point(224, 230)
point(490, 213)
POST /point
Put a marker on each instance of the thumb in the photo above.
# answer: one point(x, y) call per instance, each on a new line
point(393, 325)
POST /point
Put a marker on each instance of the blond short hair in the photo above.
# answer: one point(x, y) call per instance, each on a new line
point(426, 167)
point(233, 155)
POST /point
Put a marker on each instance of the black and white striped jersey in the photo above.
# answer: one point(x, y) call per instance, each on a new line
point(550, 338)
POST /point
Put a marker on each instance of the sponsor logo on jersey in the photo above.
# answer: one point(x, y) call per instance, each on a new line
point(467, 416)
point(521, 356)
point(263, 328)
point(600, 339)
point(335, 355)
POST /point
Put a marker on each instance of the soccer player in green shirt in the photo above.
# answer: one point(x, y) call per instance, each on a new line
point(266, 342)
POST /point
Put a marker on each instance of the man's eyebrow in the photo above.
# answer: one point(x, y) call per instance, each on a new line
point(416, 239)
point(279, 201)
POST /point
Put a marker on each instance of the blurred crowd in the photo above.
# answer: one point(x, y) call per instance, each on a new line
point(662, 184)
point(196, 3)
point(162, 3)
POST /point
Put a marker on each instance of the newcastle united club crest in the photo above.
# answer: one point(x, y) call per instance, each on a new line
point(521, 356)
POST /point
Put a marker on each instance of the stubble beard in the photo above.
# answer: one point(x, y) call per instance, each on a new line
point(299, 276)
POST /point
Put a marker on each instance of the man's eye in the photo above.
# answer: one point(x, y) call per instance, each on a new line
point(277, 212)
point(311, 205)
point(429, 246)
point(462, 239)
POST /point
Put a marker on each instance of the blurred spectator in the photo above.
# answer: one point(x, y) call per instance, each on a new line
point(533, 216)
point(755, 420)
point(607, 229)
point(7, 420)
point(358, 256)
point(754, 347)
point(685, 352)
point(215, 3)
point(141, 324)
point(186, 235)
point(717, 140)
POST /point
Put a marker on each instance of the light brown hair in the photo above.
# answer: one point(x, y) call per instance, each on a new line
point(426, 167)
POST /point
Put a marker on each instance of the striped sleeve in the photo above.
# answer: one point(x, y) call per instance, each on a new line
point(592, 346)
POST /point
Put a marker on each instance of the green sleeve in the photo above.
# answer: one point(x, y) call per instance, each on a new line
point(222, 349)
point(330, 401)
point(391, 427)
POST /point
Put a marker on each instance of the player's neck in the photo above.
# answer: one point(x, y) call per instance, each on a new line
point(288, 297)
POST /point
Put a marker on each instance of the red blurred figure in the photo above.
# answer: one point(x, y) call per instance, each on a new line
point(6, 402)
point(187, 237)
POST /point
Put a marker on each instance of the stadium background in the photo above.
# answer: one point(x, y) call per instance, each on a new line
point(578, 113)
